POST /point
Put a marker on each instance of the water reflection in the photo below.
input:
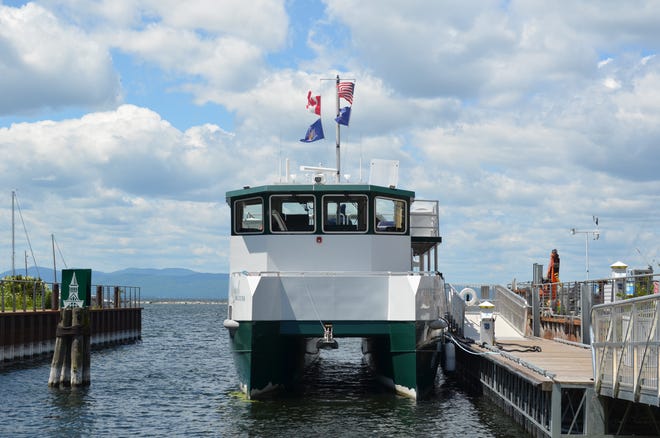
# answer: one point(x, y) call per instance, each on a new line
point(181, 381)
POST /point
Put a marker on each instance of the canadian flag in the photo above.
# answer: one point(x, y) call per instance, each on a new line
point(313, 103)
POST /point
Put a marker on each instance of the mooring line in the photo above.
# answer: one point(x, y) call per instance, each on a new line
point(311, 300)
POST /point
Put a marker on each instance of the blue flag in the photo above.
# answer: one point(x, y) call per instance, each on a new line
point(315, 132)
point(344, 116)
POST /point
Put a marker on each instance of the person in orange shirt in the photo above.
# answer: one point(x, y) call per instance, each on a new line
point(553, 272)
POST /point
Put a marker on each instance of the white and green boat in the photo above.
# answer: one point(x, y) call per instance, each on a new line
point(317, 261)
point(311, 263)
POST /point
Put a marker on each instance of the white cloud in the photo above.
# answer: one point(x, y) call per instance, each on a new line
point(45, 64)
point(523, 118)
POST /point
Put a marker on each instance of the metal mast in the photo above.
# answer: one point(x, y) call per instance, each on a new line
point(52, 240)
point(13, 246)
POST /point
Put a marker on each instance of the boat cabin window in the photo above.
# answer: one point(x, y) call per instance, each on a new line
point(249, 216)
point(292, 213)
point(391, 215)
point(345, 213)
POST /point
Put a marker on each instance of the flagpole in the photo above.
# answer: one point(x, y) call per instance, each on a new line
point(338, 113)
point(337, 134)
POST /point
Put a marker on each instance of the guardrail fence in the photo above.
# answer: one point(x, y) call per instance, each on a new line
point(626, 346)
point(29, 294)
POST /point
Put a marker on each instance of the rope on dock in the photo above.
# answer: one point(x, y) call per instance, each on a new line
point(521, 348)
point(511, 357)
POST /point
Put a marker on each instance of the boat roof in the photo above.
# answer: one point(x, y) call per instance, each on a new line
point(319, 188)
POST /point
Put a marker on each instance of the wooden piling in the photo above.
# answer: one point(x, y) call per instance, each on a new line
point(77, 348)
point(99, 297)
point(71, 358)
point(117, 301)
point(55, 297)
point(87, 357)
point(58, 356)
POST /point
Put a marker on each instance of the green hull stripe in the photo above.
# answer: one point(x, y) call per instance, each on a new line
point(271, 354)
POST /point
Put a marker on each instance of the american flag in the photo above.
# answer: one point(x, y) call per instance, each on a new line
point(345, 90)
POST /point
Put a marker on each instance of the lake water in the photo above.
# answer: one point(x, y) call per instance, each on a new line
point(180, 381)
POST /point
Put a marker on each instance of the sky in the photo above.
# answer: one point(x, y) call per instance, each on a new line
point(124, 123)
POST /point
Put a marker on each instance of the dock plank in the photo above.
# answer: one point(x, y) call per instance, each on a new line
point(568, 363)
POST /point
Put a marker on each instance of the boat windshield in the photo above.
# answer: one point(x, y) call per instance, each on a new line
point(292, 213)
point(345, 213)
point(390, 215)
point(249, 215)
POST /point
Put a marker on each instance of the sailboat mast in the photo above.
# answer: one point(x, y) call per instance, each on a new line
point(337, 133)
point(13, 246)
point(52, 239)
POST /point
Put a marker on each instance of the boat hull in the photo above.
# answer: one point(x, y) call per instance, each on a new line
point(271, 355)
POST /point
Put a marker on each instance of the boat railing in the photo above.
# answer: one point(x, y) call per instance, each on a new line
point(30, 294)
point(424, 218)
point(335, 273)
point(626, 342)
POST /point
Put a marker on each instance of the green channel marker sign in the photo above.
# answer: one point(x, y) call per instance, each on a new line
point(76, 288)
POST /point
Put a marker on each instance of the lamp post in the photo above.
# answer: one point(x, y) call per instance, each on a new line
point(595, 233)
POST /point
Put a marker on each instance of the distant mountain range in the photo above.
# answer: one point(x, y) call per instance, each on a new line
point(170, 283)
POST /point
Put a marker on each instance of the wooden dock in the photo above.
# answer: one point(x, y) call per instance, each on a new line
point(555, 387)
point(547, 386)
point(544, 385)
point(560, 362)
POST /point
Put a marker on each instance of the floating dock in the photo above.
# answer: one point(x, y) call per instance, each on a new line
point(542, 384)
point(560, 388)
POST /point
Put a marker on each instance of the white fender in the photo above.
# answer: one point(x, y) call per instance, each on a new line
point(450, 356)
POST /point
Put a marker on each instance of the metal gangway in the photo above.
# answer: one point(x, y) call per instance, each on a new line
point(511, 311)
point(626, 348)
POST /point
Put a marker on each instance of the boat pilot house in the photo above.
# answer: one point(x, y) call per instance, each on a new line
point(360, 209)
point(377, 213)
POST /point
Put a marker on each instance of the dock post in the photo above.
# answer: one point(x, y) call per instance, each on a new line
point(87, 341)
point(537, 276)
point(586, 297)
point(55, 297)
point(555, 410)
point(99, 297)
point(71, 358)
point(59, 353)
point(80, 361)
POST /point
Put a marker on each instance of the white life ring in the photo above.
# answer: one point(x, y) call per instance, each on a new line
point(469, 296)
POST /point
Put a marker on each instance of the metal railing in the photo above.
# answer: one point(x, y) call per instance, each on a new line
point(22, 295)
point(508, 304)
point(455, 310)
point(424, 218)
point(626, 348)
point(564, 298)
point(512, 307)
point(116, 296)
